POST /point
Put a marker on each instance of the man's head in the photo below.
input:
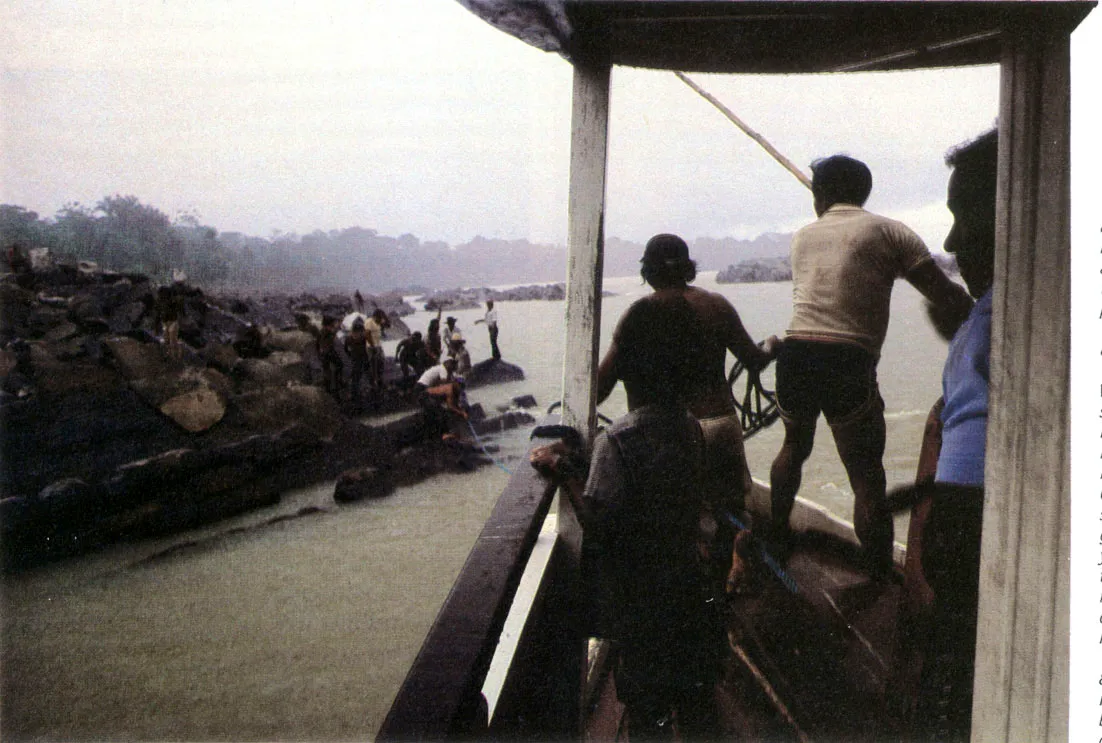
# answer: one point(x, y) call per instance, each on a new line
point(971, 200)
point(450, 364)
point(380, 317)
point(358, 324)
point(666, 262)
point(416, 335)
point(451, 322)
point(489, 304)
point(839, 179)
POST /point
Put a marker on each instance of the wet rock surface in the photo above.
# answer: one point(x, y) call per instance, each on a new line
point(107, 433)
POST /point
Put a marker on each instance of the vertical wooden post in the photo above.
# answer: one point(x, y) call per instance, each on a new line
point(585, 241)
point(588, 159)
point(1021, 682)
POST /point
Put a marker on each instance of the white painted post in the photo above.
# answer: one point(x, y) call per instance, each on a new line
point(1021, 682)
point(588, 159)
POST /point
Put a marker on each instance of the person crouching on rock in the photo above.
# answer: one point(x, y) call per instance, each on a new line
point(440, 390)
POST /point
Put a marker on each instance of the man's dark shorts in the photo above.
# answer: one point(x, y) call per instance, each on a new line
point(836, 379)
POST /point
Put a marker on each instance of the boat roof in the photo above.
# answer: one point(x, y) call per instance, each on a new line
point(775, 36)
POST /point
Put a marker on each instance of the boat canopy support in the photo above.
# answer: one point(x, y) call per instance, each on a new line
point(1021, 687)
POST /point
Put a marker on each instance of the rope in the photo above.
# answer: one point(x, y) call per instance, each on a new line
point(787, 580)
point(484, 451)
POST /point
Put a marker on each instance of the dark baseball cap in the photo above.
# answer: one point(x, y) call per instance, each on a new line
point(665, 248)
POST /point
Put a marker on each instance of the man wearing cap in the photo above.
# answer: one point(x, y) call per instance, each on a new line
point(714, 329)
point(460, 354)
point(646, 585)
point(843, 268)
point(448, 333)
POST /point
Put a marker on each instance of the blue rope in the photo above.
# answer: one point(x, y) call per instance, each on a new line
point(483, 448)
point(787, 580)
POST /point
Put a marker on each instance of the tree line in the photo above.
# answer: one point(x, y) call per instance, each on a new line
point(120, 233)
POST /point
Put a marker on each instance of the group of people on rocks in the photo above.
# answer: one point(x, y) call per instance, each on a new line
point(433, 365)
point(441, 385)
point(656, 494)
point(362, 341)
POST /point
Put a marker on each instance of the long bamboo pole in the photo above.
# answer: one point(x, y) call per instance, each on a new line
point(749, 132)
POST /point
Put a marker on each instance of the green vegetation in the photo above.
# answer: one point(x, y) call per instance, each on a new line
point(121, 234)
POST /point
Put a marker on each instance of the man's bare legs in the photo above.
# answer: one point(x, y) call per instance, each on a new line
point(860, 445)
point(785, 476)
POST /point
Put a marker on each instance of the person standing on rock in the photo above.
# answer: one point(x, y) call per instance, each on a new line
point(449, 333)
point(355, 345)
point(432, 340)
point(490, 318)
point(373, 328)
point(332, 368)
point(168, 306)
point(461, 355)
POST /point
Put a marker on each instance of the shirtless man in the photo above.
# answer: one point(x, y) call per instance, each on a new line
point(639, 506)
point(714, 329)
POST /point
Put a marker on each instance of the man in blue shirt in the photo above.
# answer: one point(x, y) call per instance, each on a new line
point(948, 542)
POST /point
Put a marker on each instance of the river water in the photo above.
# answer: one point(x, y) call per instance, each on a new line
point(273, 626)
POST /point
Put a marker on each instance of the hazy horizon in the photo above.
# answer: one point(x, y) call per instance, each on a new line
point(417, 117)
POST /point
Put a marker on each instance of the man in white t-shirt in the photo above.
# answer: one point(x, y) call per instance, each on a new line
point(439, 383)
point(490, 318)
point(843, 268)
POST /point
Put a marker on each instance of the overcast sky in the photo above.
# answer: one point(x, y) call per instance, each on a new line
point(415, 116)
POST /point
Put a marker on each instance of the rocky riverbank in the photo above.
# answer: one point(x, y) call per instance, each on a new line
point(105, 434)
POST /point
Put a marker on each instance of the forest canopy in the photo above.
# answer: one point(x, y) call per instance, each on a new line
point(122, 234)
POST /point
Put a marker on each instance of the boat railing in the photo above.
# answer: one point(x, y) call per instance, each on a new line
point(442, 695)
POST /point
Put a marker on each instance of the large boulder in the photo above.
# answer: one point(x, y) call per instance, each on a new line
point(194, 399)
point(278, 370)
point(195, 411)
point(493, 371)
point(56, 371)
point(275, 408)
point(136, 360)
point(290, 340)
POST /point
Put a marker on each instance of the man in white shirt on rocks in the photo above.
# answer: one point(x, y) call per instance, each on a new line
point(490, 318)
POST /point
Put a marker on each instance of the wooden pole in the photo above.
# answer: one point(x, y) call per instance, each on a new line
point(788, 164)
point(1022, 647)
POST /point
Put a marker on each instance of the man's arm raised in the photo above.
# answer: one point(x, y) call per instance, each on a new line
point(949, 301)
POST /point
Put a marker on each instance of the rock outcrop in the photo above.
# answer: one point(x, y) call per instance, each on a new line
point(752, 271)
point(106, 432)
